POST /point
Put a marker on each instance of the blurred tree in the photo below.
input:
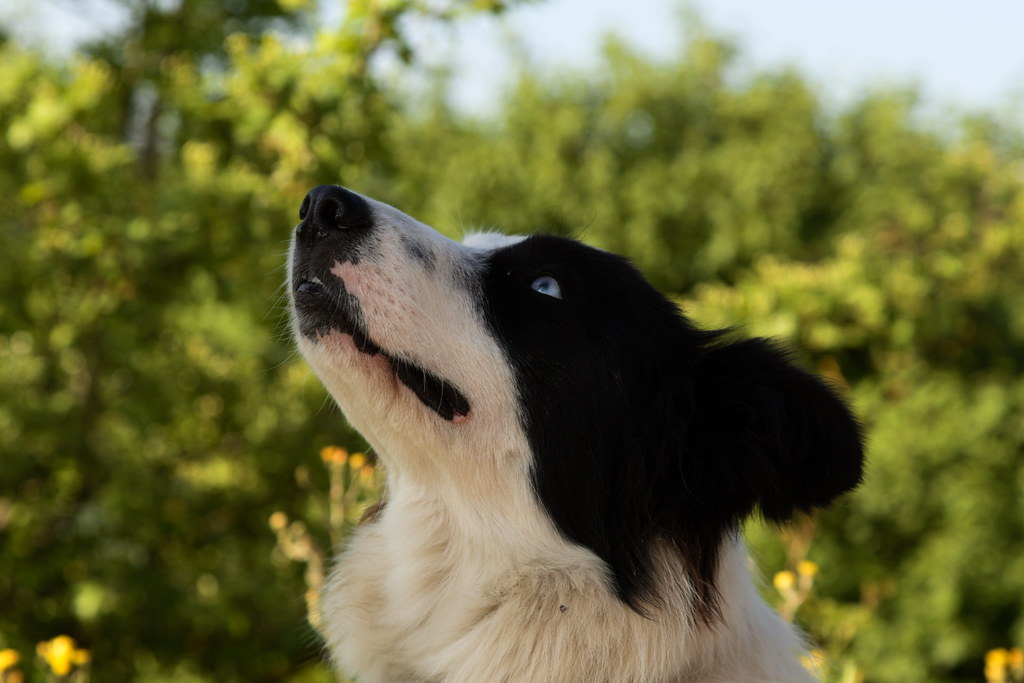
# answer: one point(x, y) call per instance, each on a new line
point(160, 34)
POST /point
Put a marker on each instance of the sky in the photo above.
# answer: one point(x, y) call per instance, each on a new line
point(966, 53)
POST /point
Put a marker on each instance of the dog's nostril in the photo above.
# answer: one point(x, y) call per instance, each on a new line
point(352, 210)
point(341, 220)
point(330, 208)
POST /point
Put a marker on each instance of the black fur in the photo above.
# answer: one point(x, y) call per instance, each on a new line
point(644, 427)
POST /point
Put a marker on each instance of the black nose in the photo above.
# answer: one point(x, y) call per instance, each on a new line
point(331, 209)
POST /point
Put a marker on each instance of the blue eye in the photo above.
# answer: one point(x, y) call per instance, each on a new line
point(548, 286)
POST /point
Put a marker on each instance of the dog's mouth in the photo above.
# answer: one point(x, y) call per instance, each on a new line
point(321, 311)
point(436, 393)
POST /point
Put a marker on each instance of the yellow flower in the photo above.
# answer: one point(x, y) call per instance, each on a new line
point(1015, 658)
point(278, 521)
point(807, 568)
point(995, 665)
point(333, 455)
point(357, 461)
point(61, 655)
point(8, 659)
point(784, 581)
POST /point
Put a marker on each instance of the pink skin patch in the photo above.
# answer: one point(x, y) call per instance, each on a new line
point(347, 273)
point(460, 419)
point(368, 285)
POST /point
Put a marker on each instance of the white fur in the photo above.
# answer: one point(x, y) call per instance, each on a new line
point(463, 578)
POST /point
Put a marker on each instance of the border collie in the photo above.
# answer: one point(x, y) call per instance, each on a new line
point(568, 459)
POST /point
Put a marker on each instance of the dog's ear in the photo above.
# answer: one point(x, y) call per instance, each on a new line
point(781, 438)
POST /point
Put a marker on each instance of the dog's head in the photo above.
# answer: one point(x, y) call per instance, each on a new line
point(541, 363)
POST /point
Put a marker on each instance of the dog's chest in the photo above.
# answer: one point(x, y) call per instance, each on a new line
point(399, 596)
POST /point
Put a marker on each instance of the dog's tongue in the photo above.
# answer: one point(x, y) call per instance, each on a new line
point(438, 394)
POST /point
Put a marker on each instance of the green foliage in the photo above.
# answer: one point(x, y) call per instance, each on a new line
point(153, 414)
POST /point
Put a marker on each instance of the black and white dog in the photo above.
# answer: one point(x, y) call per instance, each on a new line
point(568, 459)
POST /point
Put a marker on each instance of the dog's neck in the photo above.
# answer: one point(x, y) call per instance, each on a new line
point(498, 529)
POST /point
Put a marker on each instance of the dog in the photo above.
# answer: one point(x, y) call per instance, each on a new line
point(568, 459)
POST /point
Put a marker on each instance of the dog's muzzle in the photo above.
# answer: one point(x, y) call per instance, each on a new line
point(335, 224)
point(336, 227)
